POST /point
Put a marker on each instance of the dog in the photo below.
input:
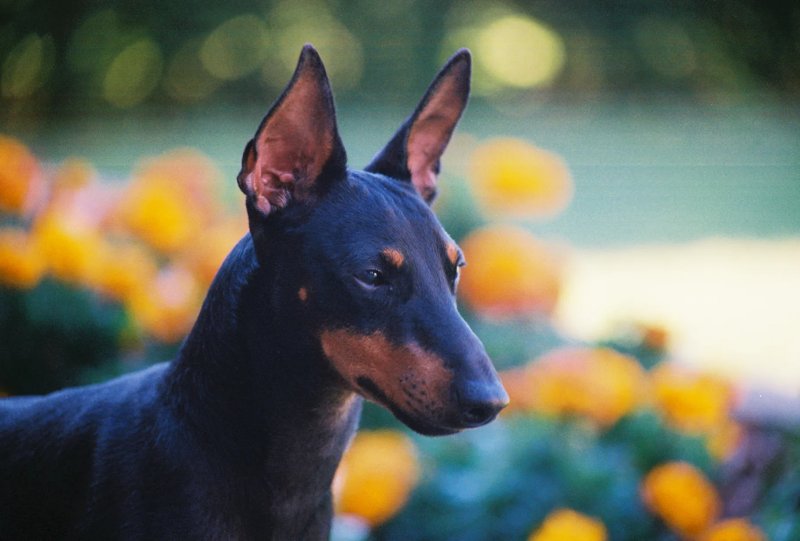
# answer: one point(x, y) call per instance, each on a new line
point(343, 289)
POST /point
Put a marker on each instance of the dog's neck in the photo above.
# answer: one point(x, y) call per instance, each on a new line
point(251, 381)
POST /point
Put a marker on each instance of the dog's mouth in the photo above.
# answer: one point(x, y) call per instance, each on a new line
point(416, 421)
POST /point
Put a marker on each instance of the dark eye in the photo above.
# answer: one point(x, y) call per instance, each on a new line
point(371, 277)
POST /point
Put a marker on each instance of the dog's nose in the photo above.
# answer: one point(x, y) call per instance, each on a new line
point(480, 402)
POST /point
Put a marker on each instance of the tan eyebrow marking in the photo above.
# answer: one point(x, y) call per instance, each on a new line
point(302, 293)
point(452, 253)
point(394, 256)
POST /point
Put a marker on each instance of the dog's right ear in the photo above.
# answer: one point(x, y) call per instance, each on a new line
point(297, 146)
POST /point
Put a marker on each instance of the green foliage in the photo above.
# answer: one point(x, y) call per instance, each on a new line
point(50, 334)
point(501, 481)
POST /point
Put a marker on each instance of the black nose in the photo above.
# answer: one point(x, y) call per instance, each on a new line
point(480, 402)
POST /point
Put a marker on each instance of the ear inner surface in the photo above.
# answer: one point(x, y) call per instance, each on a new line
point(414, 152)
point(432, 130)
point(295, 141)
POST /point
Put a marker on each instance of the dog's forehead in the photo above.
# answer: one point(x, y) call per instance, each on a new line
point(382, 211)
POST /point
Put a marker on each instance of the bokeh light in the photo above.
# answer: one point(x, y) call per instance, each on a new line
point(27, 66)
point(133, 74)
point(666, 46)
point(235, 48)
point(513, 50)
point(295, 24)
point(521, 52)
point(186, 78)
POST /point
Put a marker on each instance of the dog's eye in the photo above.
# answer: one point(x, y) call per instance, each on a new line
point(371, 277)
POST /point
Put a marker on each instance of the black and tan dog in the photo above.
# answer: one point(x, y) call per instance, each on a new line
point(343, 288)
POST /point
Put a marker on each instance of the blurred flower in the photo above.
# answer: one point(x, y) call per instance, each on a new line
point(171, 200)
point(205, 258)
point(73, 174)
point(511, 176)
point(20, 176)
point(601, 384)
point(379, 471)
point(568, 525)
point(654, 337)
point(735, 529)
point(21, 262)
point(123, 271)
point(724, 440)
point(690, 401)
point(509, 273)
point(70, 246)
point(167, 309)
point(682, 497)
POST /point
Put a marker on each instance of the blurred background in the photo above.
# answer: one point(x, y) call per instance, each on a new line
point(625, 185)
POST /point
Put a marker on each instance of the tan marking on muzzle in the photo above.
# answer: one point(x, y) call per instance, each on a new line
point(411, 378)
point(395, 257)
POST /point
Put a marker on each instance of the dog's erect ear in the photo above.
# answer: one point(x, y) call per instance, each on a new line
point(414, 152)
point(297, 143)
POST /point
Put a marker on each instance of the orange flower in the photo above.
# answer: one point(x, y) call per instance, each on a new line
point(21, 261)
point(601, 384)
point(377, 475)
point(735, 529)
point(168, 308)
point(511, 176)
point(690, 401)
point(20, 177)
point(171, 200)
point(682, 497)
point(568, 525)
point(70, 246)
point(509, 273)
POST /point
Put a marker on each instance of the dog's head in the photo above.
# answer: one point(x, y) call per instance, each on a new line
point(367, 265)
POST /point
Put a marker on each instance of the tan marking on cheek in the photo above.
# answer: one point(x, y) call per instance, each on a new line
point(395, 257)
point(302, 294)
point(409, 376)
point(452, 253)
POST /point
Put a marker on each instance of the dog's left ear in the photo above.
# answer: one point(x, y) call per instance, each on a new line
point(413, 154)
point(297, 144)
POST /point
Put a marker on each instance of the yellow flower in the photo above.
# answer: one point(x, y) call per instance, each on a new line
point(157, 211)
point(682, 497)
point(21, 262)
point(509, 273)
point(167, 309)
point(123, 271)
point(735, 529)
point(598, 383)
point(171, 200)
point(377, 475)
point(569, 525)
point(690, 401)
point(511, 176)
point(205, 258)
point(70, 246)
point(20, 177)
